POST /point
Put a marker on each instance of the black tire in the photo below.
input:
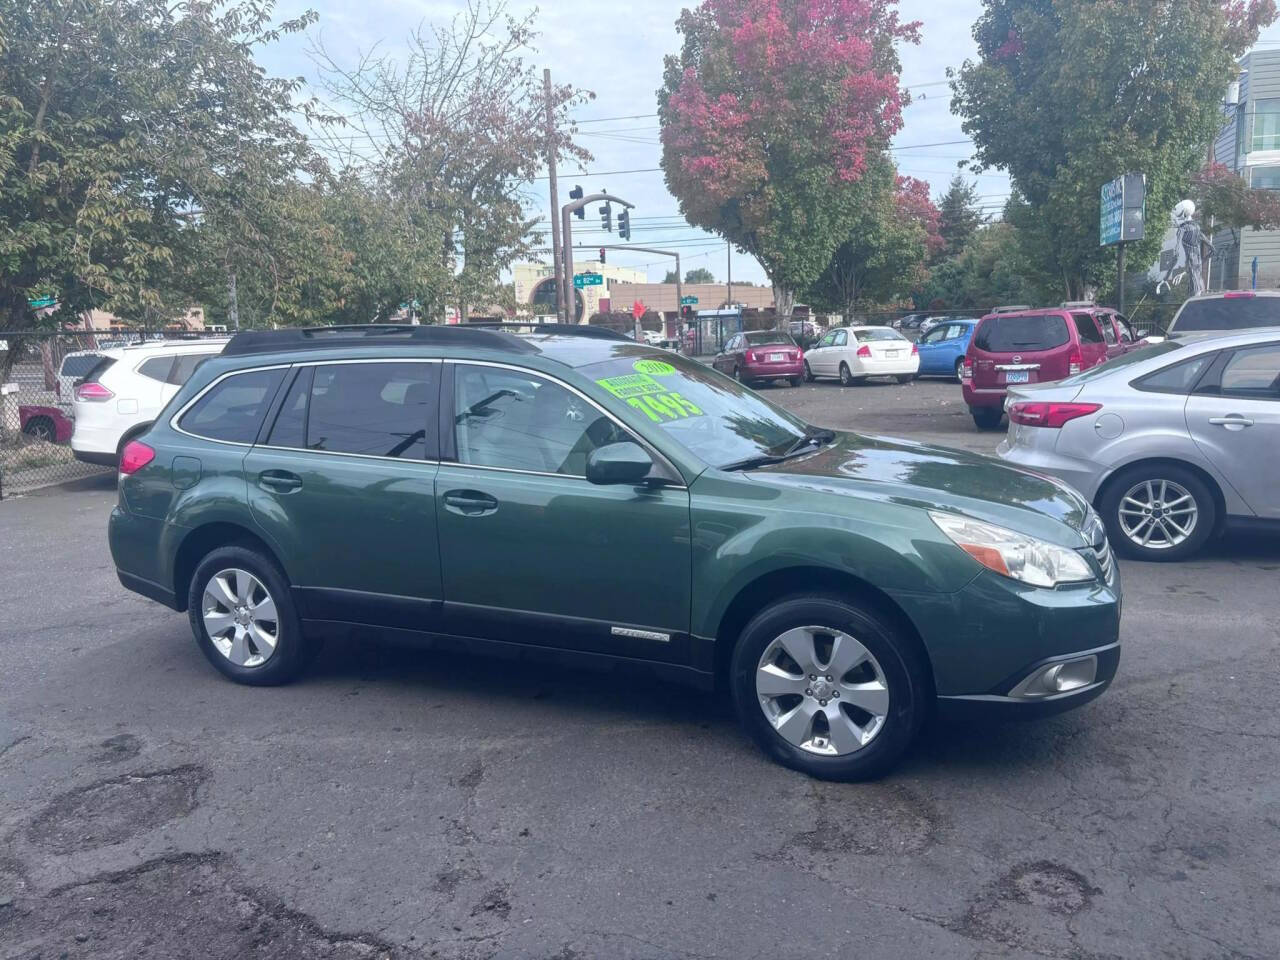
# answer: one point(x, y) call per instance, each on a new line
point(1205, 502)
point(846, 376)
point(987, 418)
point(40, 428)
point(808, 374)
point(906, 377)
point(960, 370)
point(292, 652)
point(795, 381)
point(906, 678)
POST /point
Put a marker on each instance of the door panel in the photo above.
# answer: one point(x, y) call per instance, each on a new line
point(341, 487)
point(532, 552)
point(1238, 429)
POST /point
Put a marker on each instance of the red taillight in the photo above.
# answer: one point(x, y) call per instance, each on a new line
point(93, 392)
point(1075, 363)
point(966, 372)
point(1054, 415)
point(1239, 295)
point(751, 356)
point(864, 351)
point(915, 351)
point(135, 456)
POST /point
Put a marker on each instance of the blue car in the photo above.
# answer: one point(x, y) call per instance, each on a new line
point(943, 347)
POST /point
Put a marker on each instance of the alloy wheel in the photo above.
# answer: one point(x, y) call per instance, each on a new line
point(1158, 514)
point(822, 691)
point(240, 617)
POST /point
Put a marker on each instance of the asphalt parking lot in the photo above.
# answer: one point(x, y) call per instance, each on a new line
point(398, 804)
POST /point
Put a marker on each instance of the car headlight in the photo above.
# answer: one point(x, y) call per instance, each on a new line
point(1012, 554)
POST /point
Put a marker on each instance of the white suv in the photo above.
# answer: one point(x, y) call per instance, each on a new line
point(126, 389)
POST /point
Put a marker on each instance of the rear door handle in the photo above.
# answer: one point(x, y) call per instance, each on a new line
point(470, 503)
point(1235, 420)
point(279, 481)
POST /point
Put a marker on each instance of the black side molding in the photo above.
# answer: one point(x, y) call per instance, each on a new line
point(149, 589)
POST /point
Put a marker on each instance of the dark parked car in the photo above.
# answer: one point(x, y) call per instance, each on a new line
point(577, 496)
point(1023, 346)
point(759, 356)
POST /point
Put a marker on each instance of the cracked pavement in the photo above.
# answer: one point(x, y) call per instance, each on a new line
point(401, 804)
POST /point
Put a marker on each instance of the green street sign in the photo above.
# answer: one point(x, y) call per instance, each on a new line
point(688, 301)
point(41, 302)
point(581, 280)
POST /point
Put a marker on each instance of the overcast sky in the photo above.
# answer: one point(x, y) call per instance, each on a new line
point(616, 51)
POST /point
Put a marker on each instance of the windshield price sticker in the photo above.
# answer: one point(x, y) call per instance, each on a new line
point(650, 397)
point(658, 368)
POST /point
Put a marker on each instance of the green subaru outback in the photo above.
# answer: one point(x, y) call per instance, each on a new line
point(573, 494)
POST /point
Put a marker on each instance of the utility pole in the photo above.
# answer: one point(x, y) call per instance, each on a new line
point(728, 259)
point(561, 275)
point(1120, 271)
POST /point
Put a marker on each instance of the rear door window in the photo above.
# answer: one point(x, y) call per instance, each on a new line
point(80, 364)
point(184, 365)
point(1179, 378)
point(1087, 328)
point(1228, 313)
point(374, 409)
point(1108, 329)
point(233, 408)
point(156, 368)
point(1254, 373)
point(1021, 334)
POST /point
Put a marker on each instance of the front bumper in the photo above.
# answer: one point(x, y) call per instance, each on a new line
point(1000, 706)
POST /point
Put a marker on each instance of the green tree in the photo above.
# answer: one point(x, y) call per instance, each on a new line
point(960, 216)
point(885, 247)
point(699, 275)
point(1069, 95)
point(991, 270)
point(769, 116)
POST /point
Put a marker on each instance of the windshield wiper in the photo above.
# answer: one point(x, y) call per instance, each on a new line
point(813, 438)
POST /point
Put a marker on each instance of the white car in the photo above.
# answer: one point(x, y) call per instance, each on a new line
point(73, 366)
point(854, 353)
point(124, 391)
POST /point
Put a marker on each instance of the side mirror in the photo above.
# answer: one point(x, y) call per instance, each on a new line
point(625, 462)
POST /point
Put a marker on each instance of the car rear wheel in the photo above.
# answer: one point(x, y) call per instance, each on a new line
point(960, 369)
point(1160, 512)
point(244, 619)
point(40, 428)
point(828, 688)
point(795, 381)
point(808, 374)
point(905, 377)
point(987, 418)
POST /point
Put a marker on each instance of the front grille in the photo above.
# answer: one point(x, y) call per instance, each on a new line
point(1106, 559)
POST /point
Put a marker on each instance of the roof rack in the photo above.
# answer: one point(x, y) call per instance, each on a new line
point(1011, 308)
point(553, 329)
point(1076, 304)
point(365, 334)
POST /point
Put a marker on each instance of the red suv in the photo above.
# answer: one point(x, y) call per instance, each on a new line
point(1018, 345)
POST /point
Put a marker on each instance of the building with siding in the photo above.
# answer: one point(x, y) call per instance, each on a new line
point(1249, 144)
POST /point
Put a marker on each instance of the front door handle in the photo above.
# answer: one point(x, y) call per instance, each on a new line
point(279, 481)
point(470, 503)
point(1233, 422)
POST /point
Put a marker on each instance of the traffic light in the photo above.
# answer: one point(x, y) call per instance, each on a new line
point(686, 312)
point(624, 224)
point(606, 218)
point(602, 254)
point(576, 194)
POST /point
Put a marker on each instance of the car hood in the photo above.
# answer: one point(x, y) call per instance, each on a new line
point(932, 477)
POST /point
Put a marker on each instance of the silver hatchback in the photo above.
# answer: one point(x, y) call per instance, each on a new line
point(1171, 442)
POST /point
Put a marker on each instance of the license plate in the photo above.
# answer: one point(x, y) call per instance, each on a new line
point(777, 357)
point(893, 353)
point(1017, 376)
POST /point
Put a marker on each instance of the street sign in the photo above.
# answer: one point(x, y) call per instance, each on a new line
point(688, 301)
point(1123, 210)
point(41, 302)
point(581, 280)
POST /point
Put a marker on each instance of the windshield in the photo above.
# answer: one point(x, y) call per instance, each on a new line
point(1228, 313)
point(759, 338)
point(1123, 360)
point(1021, 334)
point(716, 419)
point(877, 333)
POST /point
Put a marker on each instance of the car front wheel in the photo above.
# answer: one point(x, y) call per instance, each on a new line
point(846, 376)
point(827, 688)
point(1161, 512)
point(244, 619)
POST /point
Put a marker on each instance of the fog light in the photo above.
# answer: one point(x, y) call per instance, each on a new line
point(1061, 677)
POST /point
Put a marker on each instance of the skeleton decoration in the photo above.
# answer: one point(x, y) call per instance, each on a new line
point(1191, 247)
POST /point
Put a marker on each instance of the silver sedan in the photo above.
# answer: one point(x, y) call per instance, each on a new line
point(1171, 442)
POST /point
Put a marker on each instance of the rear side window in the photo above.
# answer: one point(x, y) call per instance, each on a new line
point(184, 365)
point(80, 364)
point(157, 368)
point(374, 409)
point(1087, 328)
point(1228, 313)
point(1177, 378)
point(1021, 334)
point(233, 408)
point(865, 335)
point(1253, 372)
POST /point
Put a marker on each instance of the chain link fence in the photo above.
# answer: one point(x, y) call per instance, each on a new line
point(39, 372)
